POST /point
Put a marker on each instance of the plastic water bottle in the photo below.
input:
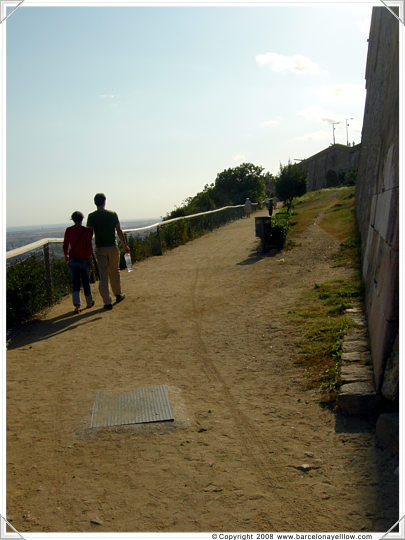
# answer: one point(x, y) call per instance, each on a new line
point(128, 261)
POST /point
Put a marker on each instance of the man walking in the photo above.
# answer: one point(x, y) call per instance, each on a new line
point(104, 224)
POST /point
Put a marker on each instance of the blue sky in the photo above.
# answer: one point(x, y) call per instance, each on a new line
point(148, 104)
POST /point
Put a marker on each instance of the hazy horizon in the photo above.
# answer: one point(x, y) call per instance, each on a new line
point(69, 223)
point(18, 236)
point(149, 103)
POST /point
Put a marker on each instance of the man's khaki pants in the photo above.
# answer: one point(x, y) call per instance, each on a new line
point(108, 267)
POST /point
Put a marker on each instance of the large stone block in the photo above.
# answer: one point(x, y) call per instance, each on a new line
point(358, 399)
point(382, 337)
point(383, 209)
point(356, 334)
point(355, 346)
point(363, 357)
point(373, 210)
point(390, 386)
point(392, 237)
point(355, 372)
point(385, 275)
point(370, 248)
point(390, 171)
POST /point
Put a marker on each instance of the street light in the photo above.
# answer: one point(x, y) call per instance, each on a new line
point(333, 130)
point(347, 131)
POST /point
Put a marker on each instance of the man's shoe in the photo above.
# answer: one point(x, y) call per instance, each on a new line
point(120, 297)
point(107, 306)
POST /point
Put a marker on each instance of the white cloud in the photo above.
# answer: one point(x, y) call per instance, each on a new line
point(297, 63)
point(273, 122)
point(341, 92)
point(363, 17)
point(111, 101)
point(341, 132)
point(315, 136)
point(364, 25)
point(239, 158)
point(358, 9)
point(319, 115)
point(354, 126)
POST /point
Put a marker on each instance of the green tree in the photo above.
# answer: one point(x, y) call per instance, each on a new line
point(290, 183)
point(351, 176)
point(270, 182)
point(233, 186)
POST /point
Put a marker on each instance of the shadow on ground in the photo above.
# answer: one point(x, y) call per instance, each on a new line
point(386, 464)
point(354, 424)
point(257, 255)
point(38, 330)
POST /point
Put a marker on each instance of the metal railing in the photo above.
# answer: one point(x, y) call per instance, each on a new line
point(45, 242)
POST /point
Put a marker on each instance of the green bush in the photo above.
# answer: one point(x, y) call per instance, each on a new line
point(291, 183)
point(280, 224)
point(141, 248)
point(61, 279)
point(182, 231)
point(26, 287)
point(231, 187)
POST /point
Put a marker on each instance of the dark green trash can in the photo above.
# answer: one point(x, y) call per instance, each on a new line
point(263, 231)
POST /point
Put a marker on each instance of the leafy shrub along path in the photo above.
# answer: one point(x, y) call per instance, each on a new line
point(250, 449)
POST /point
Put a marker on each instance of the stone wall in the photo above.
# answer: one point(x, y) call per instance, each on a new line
point(377, 198)
point(327, 168)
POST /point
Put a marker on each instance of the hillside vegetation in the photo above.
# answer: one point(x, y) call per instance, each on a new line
point(233, 186)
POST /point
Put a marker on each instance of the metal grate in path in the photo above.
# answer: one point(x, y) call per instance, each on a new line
point(138, 406)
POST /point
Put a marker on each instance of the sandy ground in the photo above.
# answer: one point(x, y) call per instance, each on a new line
point(206, 320)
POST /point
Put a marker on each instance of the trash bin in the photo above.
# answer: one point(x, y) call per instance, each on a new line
point(263, 231)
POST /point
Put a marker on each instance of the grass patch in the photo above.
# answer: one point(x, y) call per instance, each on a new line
point(323, 325)
point(307, 208)
point(340, 221)
point(320, 313)
point(335, 208)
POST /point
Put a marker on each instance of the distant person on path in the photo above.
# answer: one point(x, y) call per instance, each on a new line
point(78, 249)
point(269, 205)
point(105, 223)
point(248, 207)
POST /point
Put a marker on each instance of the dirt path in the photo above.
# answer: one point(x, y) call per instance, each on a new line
point(206, 320)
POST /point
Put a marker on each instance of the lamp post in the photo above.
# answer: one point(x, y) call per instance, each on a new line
point(347, 131)
point(333, 130)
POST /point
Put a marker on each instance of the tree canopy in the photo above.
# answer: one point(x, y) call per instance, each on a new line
point(232, 186)
point(291, 182)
